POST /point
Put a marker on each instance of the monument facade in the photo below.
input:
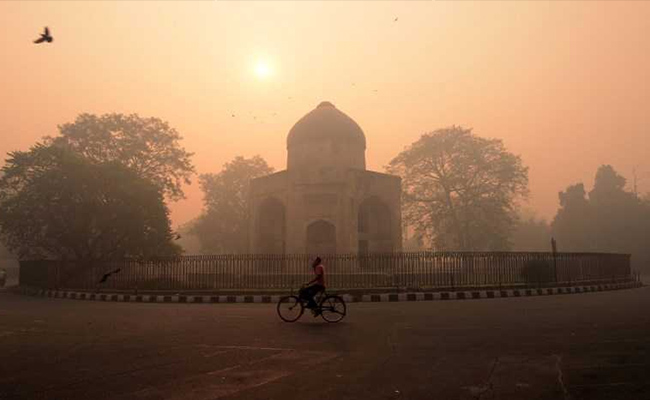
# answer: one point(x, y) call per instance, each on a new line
point(325, 202)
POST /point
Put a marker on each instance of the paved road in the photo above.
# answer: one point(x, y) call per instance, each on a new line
point(587, 346)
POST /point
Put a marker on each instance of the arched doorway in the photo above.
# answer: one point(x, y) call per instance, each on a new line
point(321, 238)
point(271, 227)
point(374, 227)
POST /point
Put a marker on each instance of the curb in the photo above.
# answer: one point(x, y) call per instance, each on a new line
point(371, 298)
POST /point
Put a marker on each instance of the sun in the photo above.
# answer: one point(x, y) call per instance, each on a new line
point(262, 69)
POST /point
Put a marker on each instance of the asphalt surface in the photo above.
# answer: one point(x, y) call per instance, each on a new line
point(585, 346)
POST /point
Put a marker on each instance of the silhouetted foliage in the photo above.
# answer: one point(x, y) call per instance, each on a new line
point(573, 220)
point(223, 226)
point(56, 204)
point(531, 234)
point(459, 190)
point(412, 241)
point(147, 145)
point(609, 219)
point(188, 239)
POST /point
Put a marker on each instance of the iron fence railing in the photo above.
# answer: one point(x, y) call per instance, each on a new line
point(421, 270)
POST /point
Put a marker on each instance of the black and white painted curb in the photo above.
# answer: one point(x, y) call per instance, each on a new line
point(386, 297)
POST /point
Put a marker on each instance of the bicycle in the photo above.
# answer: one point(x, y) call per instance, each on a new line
point(331, 308)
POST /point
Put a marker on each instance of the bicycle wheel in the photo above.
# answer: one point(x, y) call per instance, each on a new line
point(290, 308)
point(332, 309)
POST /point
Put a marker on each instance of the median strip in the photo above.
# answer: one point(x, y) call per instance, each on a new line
point(377, 298)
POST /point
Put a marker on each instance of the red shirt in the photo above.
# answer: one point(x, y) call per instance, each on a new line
point(319, 270)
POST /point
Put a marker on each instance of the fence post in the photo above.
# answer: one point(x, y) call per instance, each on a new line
point(137, 273)
point(57, 283)
point(554, 249)
point(499, 272)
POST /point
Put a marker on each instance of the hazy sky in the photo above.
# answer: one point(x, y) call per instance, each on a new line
point(566, 85)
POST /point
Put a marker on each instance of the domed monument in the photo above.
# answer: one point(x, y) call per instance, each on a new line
point(325, 202)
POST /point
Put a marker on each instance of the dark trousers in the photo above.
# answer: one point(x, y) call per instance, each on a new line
point(309, 292)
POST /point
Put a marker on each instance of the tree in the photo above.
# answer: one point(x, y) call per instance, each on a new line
point(531, 234)
point(147, 145)
point(610, 219)
point(460, 190)
point(616, 211)
point(56, 204)
point(608, 184)
point(187, 239)
point(223, 226)
point(572, 225)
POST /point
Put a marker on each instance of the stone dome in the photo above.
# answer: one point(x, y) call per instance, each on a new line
point(326, 138)
point(326, 122)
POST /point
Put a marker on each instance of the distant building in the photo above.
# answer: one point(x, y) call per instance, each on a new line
point(325, 202)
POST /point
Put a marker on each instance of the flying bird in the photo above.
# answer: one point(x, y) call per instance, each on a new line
point(106, 275)
point(45, 37)
point(396, 18)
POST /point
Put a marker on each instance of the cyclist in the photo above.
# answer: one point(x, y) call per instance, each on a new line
point(313, 287)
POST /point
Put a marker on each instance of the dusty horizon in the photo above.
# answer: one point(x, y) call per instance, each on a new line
point(564, 85)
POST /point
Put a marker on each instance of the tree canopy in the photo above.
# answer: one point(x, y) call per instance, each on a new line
point(55, 203)
point(531, 233)
point(608, 218)
point(460, 190)
point(573, 219)
point(223, 225)
point(147, 145)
